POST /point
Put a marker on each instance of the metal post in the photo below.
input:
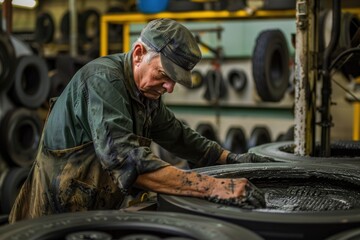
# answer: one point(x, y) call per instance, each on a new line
point(73, 28)
point(305, 77)
point(7, 16)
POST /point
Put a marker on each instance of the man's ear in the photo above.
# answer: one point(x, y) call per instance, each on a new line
point(138, 53)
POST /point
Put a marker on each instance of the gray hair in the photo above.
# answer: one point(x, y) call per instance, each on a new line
point(150, 53)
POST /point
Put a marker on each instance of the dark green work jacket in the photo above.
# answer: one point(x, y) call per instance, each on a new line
point(96, 141)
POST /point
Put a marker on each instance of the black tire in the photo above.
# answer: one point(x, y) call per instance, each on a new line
point(7, 61)
point(58, 82)
point(288, 136)
point(300, 199)
point(120, 224)
point(235, 140)
point(207, 130)
point(31, 84)
point(45, 28)
point(280, 137)
point(270, 65)
point(89, 26)
point(65, 64)
point(259, 135)
point(343, 152)
point(20, 133)
point(215, 86)
point(237, 80)
point(10, 188)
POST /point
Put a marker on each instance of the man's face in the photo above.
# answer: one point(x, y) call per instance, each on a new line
point(152, 80)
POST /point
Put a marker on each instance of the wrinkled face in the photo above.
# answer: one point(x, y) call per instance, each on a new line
point(150, 77)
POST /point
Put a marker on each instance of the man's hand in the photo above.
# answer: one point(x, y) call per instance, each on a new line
point(237, 192)
point(247, 158)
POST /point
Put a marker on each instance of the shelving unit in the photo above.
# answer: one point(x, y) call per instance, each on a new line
point(127, 19)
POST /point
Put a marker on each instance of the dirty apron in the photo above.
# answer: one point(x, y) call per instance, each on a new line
point(66, 181)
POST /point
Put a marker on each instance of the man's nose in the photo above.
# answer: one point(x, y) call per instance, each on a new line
point(169, 86)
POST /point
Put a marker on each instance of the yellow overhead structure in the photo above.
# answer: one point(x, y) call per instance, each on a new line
point(127, 18)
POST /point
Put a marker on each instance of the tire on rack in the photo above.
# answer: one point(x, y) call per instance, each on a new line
point(31, 83)
point(58, 82)
point(122, 224)
point(89, 26)
point(215, 86)
point(20, 133)
point(270, 65)
point(7, 61)
point(259, 135)
point(10, 188)
point(288, 136)
point(304, 201)
point(237, 79)
point(45, 28)
point(342, 152)
point(235, 140)
point(208, 131)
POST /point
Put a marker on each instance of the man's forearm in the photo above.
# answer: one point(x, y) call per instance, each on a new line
point(171, 180)
point(174, 181)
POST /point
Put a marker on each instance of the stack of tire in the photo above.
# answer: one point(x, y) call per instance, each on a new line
point(24, 87)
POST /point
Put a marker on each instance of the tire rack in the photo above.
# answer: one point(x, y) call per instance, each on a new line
point(20, 117)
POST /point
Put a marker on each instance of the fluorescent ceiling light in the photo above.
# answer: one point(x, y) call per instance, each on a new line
point(23, 3)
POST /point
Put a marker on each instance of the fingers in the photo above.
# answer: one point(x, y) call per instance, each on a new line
point(254, 196)
point(248, 158)
point(250, 197)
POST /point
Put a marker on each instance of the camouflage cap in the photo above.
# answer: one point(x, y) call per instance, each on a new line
point(179, 51)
